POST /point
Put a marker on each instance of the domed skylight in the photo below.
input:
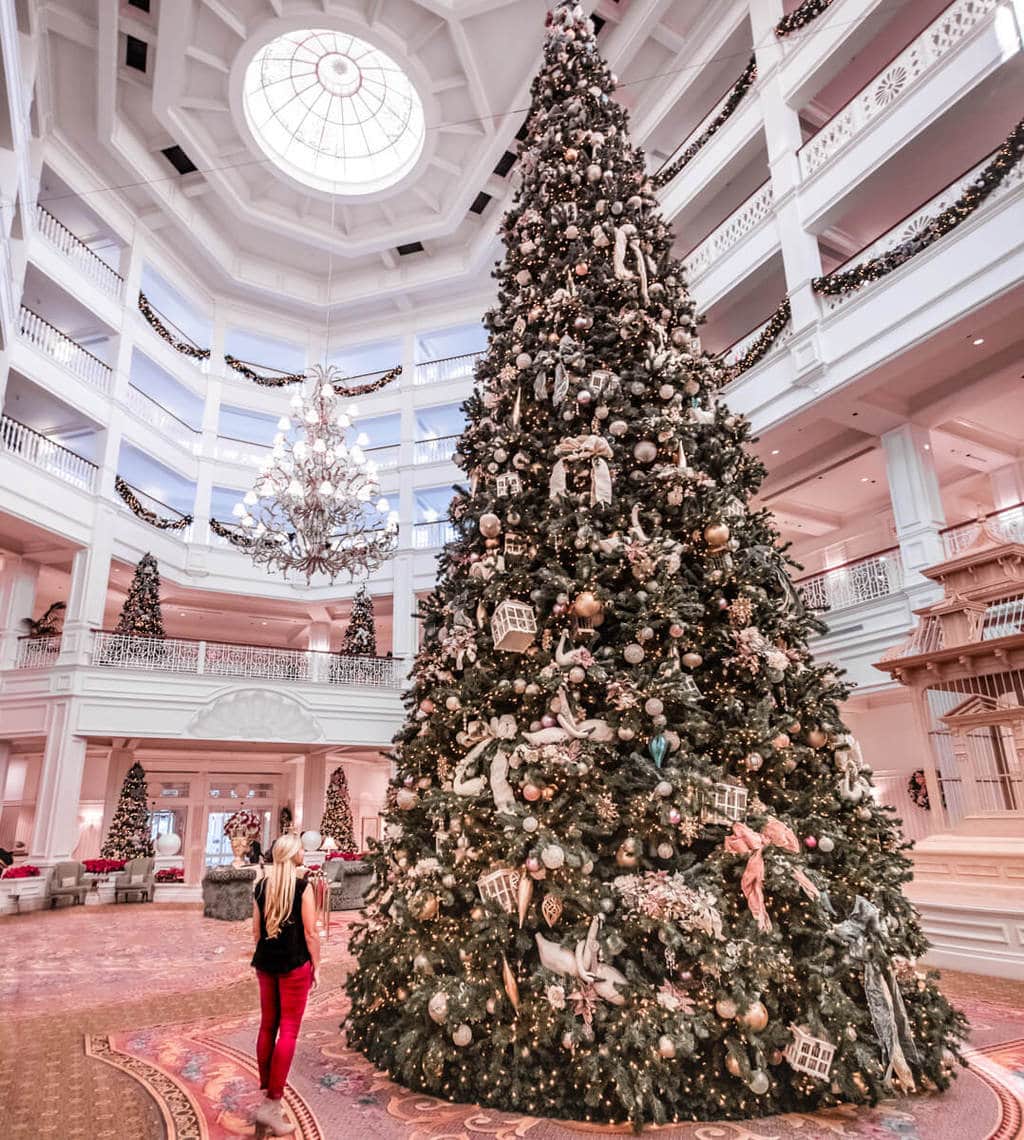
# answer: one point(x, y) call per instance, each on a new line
point(333, 111)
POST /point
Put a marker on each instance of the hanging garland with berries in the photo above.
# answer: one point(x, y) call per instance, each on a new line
point(733, 100)
point(250, 373)
point(800, 17)
point(1006, 158)
point(158, 326)
point(232, 534)
point(762, 346)
point(134, 504)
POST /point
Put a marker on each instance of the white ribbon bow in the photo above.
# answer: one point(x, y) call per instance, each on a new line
point(575, 449)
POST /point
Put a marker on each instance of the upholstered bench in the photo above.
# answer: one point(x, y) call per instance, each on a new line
point(349, 881)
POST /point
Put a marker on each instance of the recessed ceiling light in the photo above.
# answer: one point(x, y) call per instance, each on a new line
point(263, 623)
point(978, 340)
point(775, 451)
point(865, 479)
point(927, 447)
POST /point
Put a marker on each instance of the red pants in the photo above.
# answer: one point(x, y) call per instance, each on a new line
point(282, 1004)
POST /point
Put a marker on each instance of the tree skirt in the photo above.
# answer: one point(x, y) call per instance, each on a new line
point(203, 1076)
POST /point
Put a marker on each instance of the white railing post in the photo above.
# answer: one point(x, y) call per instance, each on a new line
point(201, 658)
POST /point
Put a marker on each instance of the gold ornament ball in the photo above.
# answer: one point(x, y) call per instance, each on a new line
point(424, 905)
point(725, 1008)
point(402, 994)
point(676, 630)
point(571, 154)
point(548, 794)
point(633, 653)
point(665, 850)
point(427, 706)
point(732, 1064)
point(452, 703)
point(587, 604)
point(692, 660)
point(755, 1017)
point(666, 1047)
point(477, 914)
point(717, 534)
point(406, 799)
point(462, 1036)
point(628, 854)
point(817, 738)
point(795, 727)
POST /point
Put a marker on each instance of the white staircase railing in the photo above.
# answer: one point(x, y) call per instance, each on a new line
point(43, 453)
point(449, 368)
point(75, 250)
point(62, 349)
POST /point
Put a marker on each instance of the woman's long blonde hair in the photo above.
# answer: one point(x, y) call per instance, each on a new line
point(279, 892)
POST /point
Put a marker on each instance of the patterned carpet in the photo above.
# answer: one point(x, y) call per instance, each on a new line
point(143, 1053)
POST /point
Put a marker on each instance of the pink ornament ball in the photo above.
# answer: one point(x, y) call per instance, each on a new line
point(674, 816)
point(548, 721)
point(532, 864)
point(810, 842)
point(531, 792)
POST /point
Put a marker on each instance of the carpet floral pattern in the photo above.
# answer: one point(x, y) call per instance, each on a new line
point(200, 1073)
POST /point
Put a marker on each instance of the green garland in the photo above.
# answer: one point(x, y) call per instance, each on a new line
point(158, 326)
point(236, 537)
point(372, 386)
point(134, 504)
point(759, 349)
point(243, 369)
point(800, 17)
point(739, 89)
point(1006, 158)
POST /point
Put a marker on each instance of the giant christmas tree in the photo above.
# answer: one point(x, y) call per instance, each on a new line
point(129, 834)
point(634, 867)
point(141, 615)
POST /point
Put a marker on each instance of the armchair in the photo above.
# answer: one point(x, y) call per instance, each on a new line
point(136, 879)
point(67, 881)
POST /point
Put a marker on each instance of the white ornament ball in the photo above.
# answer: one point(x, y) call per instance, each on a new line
point(725, 1008)
point(618, 427)
point(529, 823)
point(406, 799)
point(594, 172)
point(462, 1036)
point(826, 844)
point(754, 760)
point(524, 360)
point(421, 964)
point(665, 850)
point(437, 1007)
point(646, 451)
point(692, 660)
point(654, 707)
point(452, 703)
point(552, 857)
point(625, 733)
point(663, 788)
point(577, 674)
point(311, 840)
point(168, 844)
point(864, 813)
point(666, 1047)
point(490, 525)
point(633, 653)
point(759, 1083)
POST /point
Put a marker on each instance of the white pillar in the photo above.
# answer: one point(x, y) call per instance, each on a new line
point(403, 605)
point(1007, 485)
point(87, 598)
point(917, 506)
point(18, 581)
point(801, 258)
point(55, 829)
point(314, 791)
point(8, 821)
point(111, 453)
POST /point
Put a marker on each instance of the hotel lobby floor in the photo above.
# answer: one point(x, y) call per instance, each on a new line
point(138, 1023)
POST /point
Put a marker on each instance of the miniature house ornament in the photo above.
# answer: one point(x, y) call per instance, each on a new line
point(514, 626)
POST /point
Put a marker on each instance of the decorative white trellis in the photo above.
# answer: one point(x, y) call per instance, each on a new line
point(809, 1054)
point(725, 803)
point(514, 626)
point(500, 886)
point(509, 484)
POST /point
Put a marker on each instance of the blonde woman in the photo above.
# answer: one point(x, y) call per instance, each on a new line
point(287, 962)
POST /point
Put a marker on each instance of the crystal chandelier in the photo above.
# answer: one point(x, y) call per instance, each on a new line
point(316, 505)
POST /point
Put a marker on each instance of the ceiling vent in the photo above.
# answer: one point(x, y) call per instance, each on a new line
point(142, 5)
point(179, 160)
point(505, 164)
point(135, 53)
point(480, 202)
point(409, 247)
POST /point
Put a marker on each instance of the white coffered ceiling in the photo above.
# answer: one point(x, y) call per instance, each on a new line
point(248, 228)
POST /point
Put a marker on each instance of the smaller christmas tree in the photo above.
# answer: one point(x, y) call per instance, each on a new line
point(361, 635)
point(129, 835)
point(140, 615)
point(337, 821)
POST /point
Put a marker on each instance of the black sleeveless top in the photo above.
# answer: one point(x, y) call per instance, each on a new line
point(287, 950)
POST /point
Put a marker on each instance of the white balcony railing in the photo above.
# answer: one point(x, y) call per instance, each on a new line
point(432, 535)
point(916, 224)
point(62, 349)
point(230, 450)
point(450, 368)
point(877, 576)
point(254, 662)
point(385, 457)
point(742, 221)
point(166, 422)
point(37, 652)
point(438, 450)
point(44, 453)
point(75, 250)
point(892, 84)
point(1007, 524)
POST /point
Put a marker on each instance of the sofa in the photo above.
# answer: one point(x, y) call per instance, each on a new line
point(67, 881)
point(349, 881)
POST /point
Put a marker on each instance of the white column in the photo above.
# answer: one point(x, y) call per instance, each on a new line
point(408, 378)
point(1007, 486)
point(917, 506)
point(111, 453)
point(8, 822)
point(90, 580)
point(55, 829)
point(18, 581)
point(314, 791)
point(403, 624)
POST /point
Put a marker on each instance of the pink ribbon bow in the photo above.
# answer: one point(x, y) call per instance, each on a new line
point(745, 841)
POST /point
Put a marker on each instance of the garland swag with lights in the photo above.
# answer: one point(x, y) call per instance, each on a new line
point(739, 89)
point(286, 378)
point(633, 868)
point(800, 17)
point(135, 506)
point(762, 346)
point(995, 173)
point(158, 326)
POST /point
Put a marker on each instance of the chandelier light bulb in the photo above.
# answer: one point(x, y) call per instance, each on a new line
point(284, 424)
point(251, 498)
point(248, 521)
point(357, 454)
point(382, 505)
point(327, 391)
point(343, 420)
point(300, 450)
point(312, 415)
point(363, 439)
point(238, 510)
point(319, 446)
point(295, 489)
point(326, 488)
